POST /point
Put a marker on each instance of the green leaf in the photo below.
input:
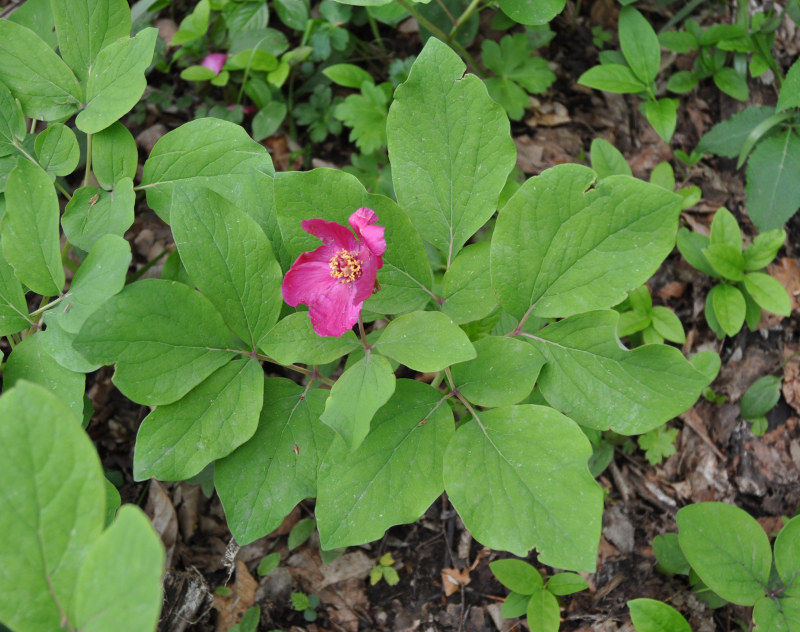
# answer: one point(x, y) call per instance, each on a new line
point(301, 532)
point(663, 176)
point(549, 499)
point(515, 605)
point(612, 78)
point(30, 361)
point(727, 548)
point(630, 392)
point(451, 149)
point(13, 307)
point(292, 340)
point(241, 17)
point(194, 25)
point(732, 83)
point(726, 260)
point(789, 96)
point(639, 44)
point(778, 614)
point(607, 160)
point(268, 119)
point(365, 114)
point(393, 477)
point(467, 286)
point(93, 213)
point(269, 563)
point(293, 13)
point(12, 123)
point(725, 229)
point(728, 137)
point(58, 344)
point(114, 155)
point(669, 555)
point(503, 373)
point(787, 552)
point(197, 73)
point(85, 27)
point(663, 116)
point(682, 82)
point(517, 575)
point(35, 75)
point(51, 478)
point(691, 246)
point(729, 307)
point(761, 396)
point(773, 171)
point(347, 75)
point(508, 94)
point(37, 15)
point(164, 337)
point(209, 153)
point(128, 550)
point(526, 12)
point(333, 195)
point(667, 324)
point(543, 613)
point(768, 292)
point(563, 250)
point(658, 444)
point(57, 149)
point(360, 391)
point(512, 59)
point(263, 479)
point(229, 259)
point(178, 440)
point(764, 249)
point(649, 615)
point(708, 363)
point(425, 341)
point(566, 583)
point(30, 235)
point(116, 81)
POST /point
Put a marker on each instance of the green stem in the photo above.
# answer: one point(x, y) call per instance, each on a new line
point(47, 306)
point(464, 17)
point(63, 191)
point(88, 159)
point(373, 25)
point(426, 23)
point(133, 277)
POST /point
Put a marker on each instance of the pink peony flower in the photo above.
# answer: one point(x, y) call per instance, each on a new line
point(214, 62)
point(335, 279)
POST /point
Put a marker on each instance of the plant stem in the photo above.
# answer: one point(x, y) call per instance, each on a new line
point(363, 333)
point(133, 277)
point(88, 159)
point(375, 32)
point(63, 191)
point(464, 17)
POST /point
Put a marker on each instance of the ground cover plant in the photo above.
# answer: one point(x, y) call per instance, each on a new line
point(431, 321)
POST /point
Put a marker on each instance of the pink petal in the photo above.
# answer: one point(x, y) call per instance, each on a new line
point(335, 312)
point(362, 221)
point(370, 264)
point(214, 61)
point(330, 233)
point(309, 277)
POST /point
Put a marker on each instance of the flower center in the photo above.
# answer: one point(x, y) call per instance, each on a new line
point(345, 266)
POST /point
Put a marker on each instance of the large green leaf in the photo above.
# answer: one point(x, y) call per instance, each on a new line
point(773, 172)
point(178, 440)
point(210, 153)
point(30, 235)
point(333, 196)
point(361, 390)
point(53, 498)
point(119, 586)
point(639, 44)
point(92, 213)
point(592, 378)
point(164, 337)
point(729, 137)
point(293, 340)
point(425, 341)
point(116, 81)
point(393, 476)
point(467, 293)
point(114, 155)
point(518, 478)
point(42, 82)
point(262, 480)
point(562, 250)
point(787, 553)
point(13, 307)
point(230, 260)
point(772, 614)
point(450, 149)
point(57, 149)
point(727, 548)
point(85, 27)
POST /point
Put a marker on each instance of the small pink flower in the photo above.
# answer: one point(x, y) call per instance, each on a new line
point(214, 62)
point(335, 279)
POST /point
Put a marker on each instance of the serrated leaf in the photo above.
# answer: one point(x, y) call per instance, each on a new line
point(549, 499)
point(728, 137)
point(93, 213)
point(425, 341)
point(114, 155)
point(773, 170)
point(400, 459)
point(650, 615)
point(768, 292)
point(116, 81)
point(209, 153)
point(30, 235)
point(517, 575)
point(503, 373)
point(293, 340)
point(467, 285)
point(51, 477)
point(57, 149)
point(178, 440)
point(164, 337)
point(360, 391)
point(35, 75)
point(365, 114)
point(729, 308)
point(727, 548)
point(130, 549)
point(612, 78)
point(229, 258)
point(554, 241)
point(607, 160)
point(630, 392)
point(450, 149)
point(263, 479)
point(639, 44)
point(85, 27)
point(789, 96)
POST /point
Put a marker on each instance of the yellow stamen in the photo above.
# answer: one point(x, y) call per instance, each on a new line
point(345, 266)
